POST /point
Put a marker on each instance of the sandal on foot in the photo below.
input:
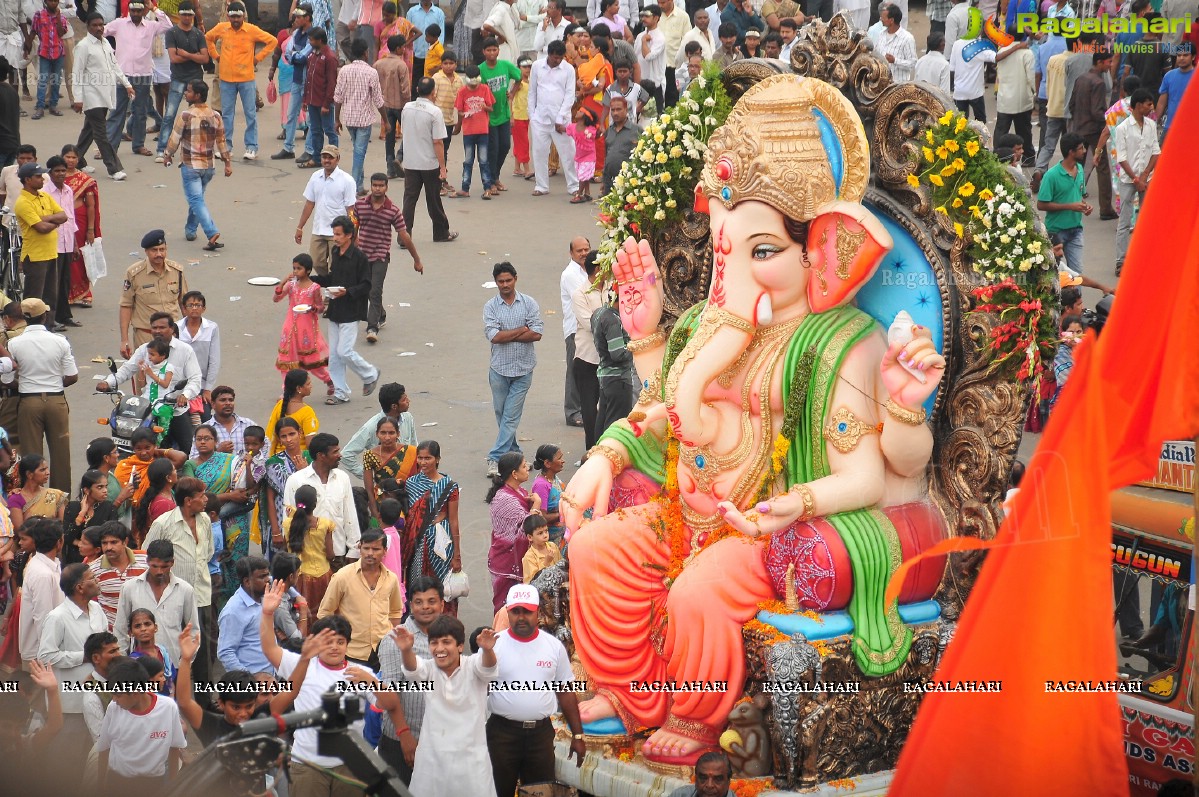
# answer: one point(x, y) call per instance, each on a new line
point(335, 400)
point(579, 199)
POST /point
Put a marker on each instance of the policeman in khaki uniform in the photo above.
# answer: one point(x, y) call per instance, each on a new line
point(152, 285)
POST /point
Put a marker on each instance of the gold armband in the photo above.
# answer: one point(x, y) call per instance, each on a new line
point(847, 429)
point(723, 317)
point(904, 415)
point(809, 501)
point(648, 342)
point(611, 454)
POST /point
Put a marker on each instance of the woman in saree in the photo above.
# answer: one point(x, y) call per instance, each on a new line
point(292, 456)
point(297, 386)
point(216, 470)
point(87, 224)
point(388, 460)
point(34, 498)
point(432, 545)
point(392, 24)
point(549, 462)
point(510, 505)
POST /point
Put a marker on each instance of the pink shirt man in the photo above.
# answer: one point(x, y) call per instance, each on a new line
point(134, 41)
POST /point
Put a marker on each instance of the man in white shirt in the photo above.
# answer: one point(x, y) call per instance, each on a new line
point(1137, 151)
point(331, 192)
point(552, 28)
point(702, 33)
point(172, 599)
point(189, 530)
point(932, 67)
point(529, 14)
point(335, 497)
point(46, 366)
point(895, 45)
point(183, 364)
point(502, 23)
point(650, 46)
point(40, 592)
point(1016, 94)
point(424, 159)
point(573, 277)
point(520, 735)
point(346, 25)
point(95, 77)
point(956, 22)
point(968, 78)
point(64, 632)
point(674, 25)
point(551, 96)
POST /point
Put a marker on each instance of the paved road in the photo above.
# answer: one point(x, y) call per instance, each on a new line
point(433, 342)
point(436, 319)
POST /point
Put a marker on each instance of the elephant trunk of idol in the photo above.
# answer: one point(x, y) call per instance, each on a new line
point(703, 359)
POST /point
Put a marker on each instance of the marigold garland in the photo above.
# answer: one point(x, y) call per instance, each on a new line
point(751, 787)
point(843, 783)
point(996, 220)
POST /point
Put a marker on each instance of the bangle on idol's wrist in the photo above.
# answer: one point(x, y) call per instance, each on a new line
point(648, 342)
point(809, 501)
point(904, 415)
point(611, 454)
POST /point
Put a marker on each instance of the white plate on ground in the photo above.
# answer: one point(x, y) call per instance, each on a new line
point(264, 282)
point(301, 308)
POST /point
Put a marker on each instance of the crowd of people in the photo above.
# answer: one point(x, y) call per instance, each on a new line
point(222, 551)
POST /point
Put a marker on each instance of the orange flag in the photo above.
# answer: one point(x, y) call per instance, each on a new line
point(1042, 609)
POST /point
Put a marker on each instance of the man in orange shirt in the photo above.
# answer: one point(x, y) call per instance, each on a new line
point(232, 46)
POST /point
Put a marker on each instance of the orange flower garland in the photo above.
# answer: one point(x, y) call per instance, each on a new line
point(751, 787)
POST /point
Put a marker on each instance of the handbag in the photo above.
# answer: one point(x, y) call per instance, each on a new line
point(272, 92)
point(456, 585)
point(93, 260)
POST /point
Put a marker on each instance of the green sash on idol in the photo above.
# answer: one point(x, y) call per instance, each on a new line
point(812, 360)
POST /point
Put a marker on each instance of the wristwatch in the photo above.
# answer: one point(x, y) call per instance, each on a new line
point(578, 736)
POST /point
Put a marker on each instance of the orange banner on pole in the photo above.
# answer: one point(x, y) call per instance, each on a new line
point(1041, 615)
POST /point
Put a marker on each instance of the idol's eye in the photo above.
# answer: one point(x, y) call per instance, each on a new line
point(765, 251)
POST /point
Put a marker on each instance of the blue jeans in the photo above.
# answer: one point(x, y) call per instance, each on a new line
point(49, 71)
point(320, 127)
point(1072, 245)
point(141, 105)
point(293, 116)
point(341, 353)
point(172, 110)
point(508, 400)
point(229, 94)
point(195, 181)
point(499, 142)
point(361, 137)
point(470, 145)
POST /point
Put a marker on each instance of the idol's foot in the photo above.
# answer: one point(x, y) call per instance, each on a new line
point(667, 746)
point(597, 708)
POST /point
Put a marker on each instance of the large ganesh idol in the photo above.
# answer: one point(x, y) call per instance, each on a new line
point(790, 430)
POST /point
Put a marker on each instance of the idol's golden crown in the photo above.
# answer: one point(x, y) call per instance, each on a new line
point(794, 143)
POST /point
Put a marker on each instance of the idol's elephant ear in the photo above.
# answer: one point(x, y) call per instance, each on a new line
point(846, 243)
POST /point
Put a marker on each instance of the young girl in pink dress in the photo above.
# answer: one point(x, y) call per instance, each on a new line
point(301, 344)
point(584, 131)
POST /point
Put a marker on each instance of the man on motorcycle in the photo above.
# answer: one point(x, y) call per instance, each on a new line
point(183, 364)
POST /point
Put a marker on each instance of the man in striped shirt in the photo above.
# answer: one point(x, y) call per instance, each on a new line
point(359, 98)
point(201, 132)
point(377, 217)
point(118, 565)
